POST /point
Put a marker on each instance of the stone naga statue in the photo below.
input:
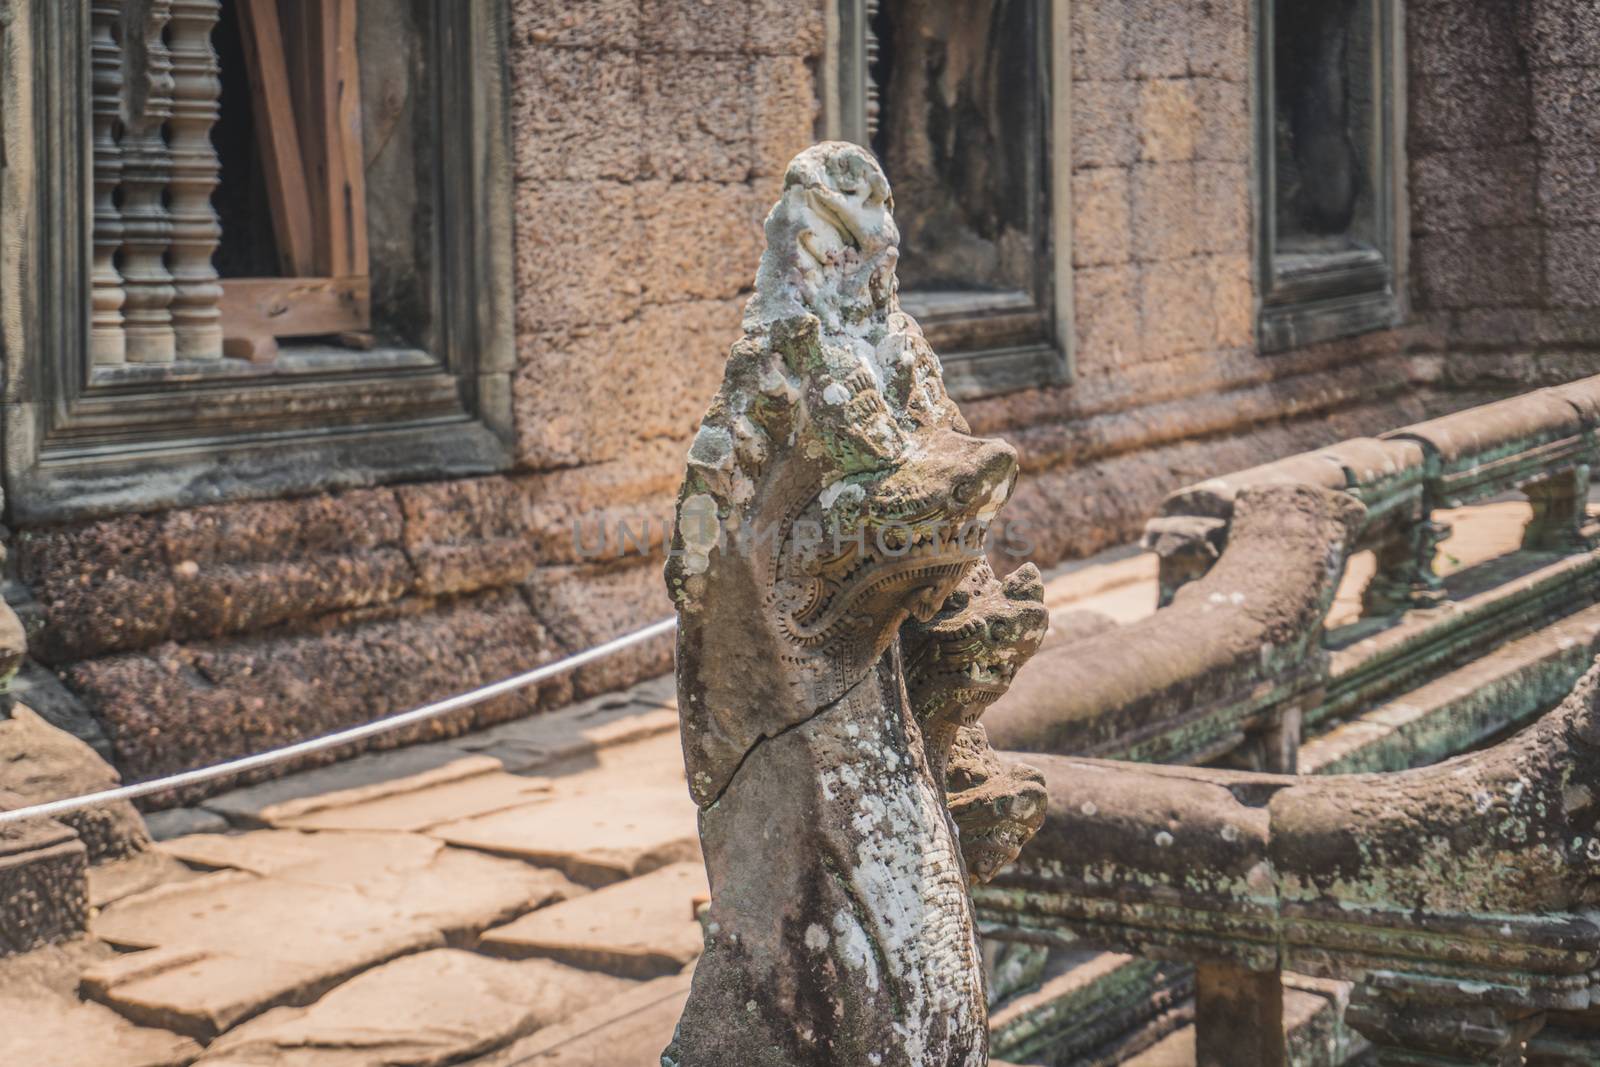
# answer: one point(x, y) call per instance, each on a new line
point(838, 635)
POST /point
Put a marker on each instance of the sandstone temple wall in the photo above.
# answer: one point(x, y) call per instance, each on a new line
point(649, 139)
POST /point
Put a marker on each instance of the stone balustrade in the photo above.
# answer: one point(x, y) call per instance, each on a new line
point(1238, 663)
point(1458, 898)
point(156, 94)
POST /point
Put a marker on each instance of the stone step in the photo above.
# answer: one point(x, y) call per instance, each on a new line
point(642, 928)
point(1088, 1006)
point(1454, 713)
point(431, 1008)
point(1313, 1030)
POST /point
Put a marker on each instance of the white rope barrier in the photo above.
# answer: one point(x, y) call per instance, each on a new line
point(354, 733)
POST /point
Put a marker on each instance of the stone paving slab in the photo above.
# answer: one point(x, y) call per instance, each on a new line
point(632, 1029)
point(425, 1010)
point(472, 785)
point(243, 807)
point(457, 892)
point(58, 1034)
point(231, 945)
point(534, 742)
point(642, 928)
point(62, 1031)
point(596, 839)
point(290, 914)
point(120, 879)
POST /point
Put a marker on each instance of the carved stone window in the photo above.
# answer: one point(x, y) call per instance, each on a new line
point(959, 99)
point(288, 267)
point(1328, 163)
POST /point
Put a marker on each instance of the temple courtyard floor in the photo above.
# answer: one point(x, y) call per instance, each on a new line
point(522, 895)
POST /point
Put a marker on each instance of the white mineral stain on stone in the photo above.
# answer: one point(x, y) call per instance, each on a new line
point(1163, 840)
point(1089, 809)
point(697, 523)
point(816, 937)
point(1230, 833)
point(835, 394)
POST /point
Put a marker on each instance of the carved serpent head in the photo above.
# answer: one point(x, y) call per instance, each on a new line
point(830, 484)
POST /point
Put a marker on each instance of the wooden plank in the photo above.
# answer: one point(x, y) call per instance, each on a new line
point(256, 310)
point(324, 72)
point(278, 135)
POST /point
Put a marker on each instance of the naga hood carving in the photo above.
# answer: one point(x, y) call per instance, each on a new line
point(829, 483)
point(833, 504)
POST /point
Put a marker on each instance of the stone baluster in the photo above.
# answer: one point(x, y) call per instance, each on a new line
point(146, 171)
point(106, 342)
point(1404, 577)
point(874, 95)
point(196, 230)
point(1412, 1030)
point(1559, 510)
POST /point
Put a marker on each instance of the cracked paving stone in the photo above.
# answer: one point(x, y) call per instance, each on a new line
point(642, 928)
point(425, 1010)
point(595, 839)
point(631, 1029)
point(473, 785)
point(233, 943)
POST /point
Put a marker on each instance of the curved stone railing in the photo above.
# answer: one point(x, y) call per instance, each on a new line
point(1462, 899)
point(1237, 664)
point(1207, 675)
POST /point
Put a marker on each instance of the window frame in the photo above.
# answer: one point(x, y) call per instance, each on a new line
point(1000, 345)
point(82, 440)
point(1346, 298)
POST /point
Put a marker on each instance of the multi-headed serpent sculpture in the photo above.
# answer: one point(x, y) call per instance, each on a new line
point(839, 633)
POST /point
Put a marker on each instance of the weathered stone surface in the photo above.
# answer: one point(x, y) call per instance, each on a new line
point(641, 928)
point(289, 915)
point(1467, 109)
point(471, 785)
point(180, 707)
point(728, 218)
point(785, 112)
point(424, 1010)
point(467, 535)
point(1168, 120)
point(715, 25)
point(1492, 268)
point(1141, 680)
point(244, 807)
point(695, 128)
point(39, 763)
point(176, 822)
point(57, 1032)
point(44, 895)
point(230, 945)
point(119, 879)
point(578, 248)
point(39, 990)
point(596, 839)
point(579, 112)
point(587, 605)
point(1100, 200)
point(632, 1028)
point(457, 892)
point(1103, 132)
point(579, 24)
point(590, 730)
point(566, 414)
point(821, 786)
